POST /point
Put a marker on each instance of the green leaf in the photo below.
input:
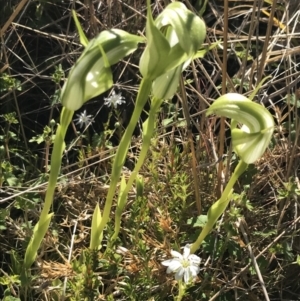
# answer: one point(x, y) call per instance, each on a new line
point(11, 298)
point(165, 86)
point(39, 232)
point(8, 280)
point(156, 51)
point(83, 39)
point(200, 221)
point(96, 235)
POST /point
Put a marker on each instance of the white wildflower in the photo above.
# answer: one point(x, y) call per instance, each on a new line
point(121, 250)
point(184, 266)
point(114, 99)
point(83, 119)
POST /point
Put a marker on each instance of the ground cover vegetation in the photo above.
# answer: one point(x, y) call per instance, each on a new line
point(252, 253)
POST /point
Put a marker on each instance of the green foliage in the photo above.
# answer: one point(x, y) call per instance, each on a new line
point(265, 234)
point(27, 201)
point(139, 217)
point(10, 118)
point(290, 190)
point(297, 260)
point(7, 174)
point(58, 74)
point(8, 83)
point(11, 298)
point(200, 221)
point(284, 249)
point(9, 281)
point(292, 100)
point(180, 189)
point(47, 136)
point(85, 285)
point(55, 98)
point(3, 214)
point(242, 200)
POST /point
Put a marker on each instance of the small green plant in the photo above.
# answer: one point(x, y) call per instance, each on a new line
point(8, 83)
point(290, 190)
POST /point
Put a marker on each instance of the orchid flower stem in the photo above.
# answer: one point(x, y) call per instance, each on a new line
point(41, 227)
point(56, 157)
point(148, 129)
point(120, 157)
point(217, 209)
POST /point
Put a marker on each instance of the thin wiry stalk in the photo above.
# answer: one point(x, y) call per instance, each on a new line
point(191, 145)
point(245, 268)
point(224, 90)
point(262, 283)
point(262, 63)
point(290, 156)
point(251, 34)
point(16, 102)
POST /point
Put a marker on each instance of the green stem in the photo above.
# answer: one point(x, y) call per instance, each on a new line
point(217, 209)
point(147, 135)
point(56, 157)
point(42, 226)
point(120, 157)
point(181, 290)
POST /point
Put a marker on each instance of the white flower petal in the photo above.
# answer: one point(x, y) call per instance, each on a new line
point(175, 265)
point(194, 270)
point(176, 254)
point(194, 259)
point(186, 251)
point(170, 270)
point(186, 276)
point(83, 119)
point(184, 266)
point(179, 274)
point(114, 99)
point(121, 250)
point(167, 262)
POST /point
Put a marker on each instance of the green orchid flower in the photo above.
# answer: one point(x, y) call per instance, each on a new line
point(172, 39)
point(91, 75)
point(251, 140)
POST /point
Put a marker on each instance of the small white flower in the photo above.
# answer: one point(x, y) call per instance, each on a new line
point(114, 99)
point(121, 250)
point(184, 266)
point(83, 119)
